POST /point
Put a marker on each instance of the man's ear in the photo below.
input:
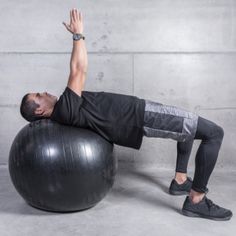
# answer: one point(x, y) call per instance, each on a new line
point(39, 111)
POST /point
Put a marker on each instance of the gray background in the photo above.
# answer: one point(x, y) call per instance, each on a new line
point(177, 52)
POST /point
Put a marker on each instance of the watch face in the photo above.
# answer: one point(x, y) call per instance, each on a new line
point(77, 36)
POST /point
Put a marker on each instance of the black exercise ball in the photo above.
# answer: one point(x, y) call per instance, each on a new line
point(61, 168)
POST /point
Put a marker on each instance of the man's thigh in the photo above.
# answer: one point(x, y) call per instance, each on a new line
point(165, 121)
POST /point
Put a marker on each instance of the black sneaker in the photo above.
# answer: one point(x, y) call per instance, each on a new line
point(205, 209)
point(180, 189)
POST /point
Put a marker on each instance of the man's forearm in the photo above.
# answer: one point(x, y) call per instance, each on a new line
point(79, 58)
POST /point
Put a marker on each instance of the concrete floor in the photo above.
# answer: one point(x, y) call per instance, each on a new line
point(138, 204)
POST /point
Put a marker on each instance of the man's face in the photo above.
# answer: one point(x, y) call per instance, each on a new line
point(45, 100)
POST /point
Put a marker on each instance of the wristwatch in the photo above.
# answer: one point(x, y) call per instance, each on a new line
point(78, 37)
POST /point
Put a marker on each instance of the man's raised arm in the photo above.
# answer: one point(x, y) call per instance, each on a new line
point(79, 59)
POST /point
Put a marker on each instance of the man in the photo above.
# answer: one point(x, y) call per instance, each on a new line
point(124, 119)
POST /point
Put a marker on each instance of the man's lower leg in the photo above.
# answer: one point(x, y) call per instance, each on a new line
point(197, 204)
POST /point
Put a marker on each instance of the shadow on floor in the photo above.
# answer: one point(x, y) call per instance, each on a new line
point(143, 195)
point(12, 202)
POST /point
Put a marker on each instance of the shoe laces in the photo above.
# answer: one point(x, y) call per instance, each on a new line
point(211, 204)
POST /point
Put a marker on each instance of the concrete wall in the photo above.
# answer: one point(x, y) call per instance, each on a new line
point(177, 52)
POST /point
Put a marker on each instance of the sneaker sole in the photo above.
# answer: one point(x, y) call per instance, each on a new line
point(173, 192)
point(192, 214)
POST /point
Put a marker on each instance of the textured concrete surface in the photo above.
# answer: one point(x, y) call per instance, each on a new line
point(137, 205)
point(173, 25)
point(178, 52)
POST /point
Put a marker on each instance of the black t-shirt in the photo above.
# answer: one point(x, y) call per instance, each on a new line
point(118, 118)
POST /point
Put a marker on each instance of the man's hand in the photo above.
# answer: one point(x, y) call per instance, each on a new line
point(76, 22)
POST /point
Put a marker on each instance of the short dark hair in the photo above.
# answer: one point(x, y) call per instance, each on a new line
point(27, 109)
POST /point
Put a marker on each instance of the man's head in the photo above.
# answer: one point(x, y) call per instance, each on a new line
point(35, 106)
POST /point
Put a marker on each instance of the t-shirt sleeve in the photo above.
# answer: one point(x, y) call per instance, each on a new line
point(67, 107)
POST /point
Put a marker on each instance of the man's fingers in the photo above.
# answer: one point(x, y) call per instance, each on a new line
point(80, 16)
point(66, 25)
point(71, 19)
point(74, 15)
